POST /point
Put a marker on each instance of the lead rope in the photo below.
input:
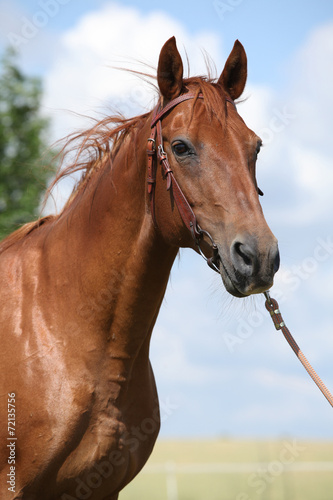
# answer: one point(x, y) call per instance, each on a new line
point(273, 308)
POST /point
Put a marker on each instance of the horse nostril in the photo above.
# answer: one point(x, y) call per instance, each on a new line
point(241, 250)
point(243, 258)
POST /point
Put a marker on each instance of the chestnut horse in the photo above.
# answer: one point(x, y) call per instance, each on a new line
point(81, 291)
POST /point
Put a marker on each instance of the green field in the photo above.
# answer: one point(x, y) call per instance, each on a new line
point(227, 469)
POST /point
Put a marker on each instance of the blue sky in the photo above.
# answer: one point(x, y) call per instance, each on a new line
point(221, 368)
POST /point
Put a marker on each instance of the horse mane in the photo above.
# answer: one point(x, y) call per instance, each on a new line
point(92, 152)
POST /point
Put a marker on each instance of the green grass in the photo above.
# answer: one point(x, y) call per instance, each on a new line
point(260, 470)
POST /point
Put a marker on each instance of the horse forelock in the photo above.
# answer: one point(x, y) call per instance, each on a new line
point(214, 97)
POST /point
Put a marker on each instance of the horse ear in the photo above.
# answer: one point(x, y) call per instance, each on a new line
point(170, 70)
point(234, 74)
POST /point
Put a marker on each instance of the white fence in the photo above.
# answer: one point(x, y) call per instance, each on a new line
point(171, 469)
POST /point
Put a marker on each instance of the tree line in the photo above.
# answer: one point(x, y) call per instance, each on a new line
point(25, 158)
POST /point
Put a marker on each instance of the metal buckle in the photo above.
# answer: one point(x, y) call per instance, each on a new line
point(268, 297)
point(153, 149)
point(161, 153)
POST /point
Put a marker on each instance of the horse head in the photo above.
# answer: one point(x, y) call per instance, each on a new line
point(212, 154)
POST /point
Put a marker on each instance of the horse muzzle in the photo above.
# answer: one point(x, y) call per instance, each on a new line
point(246, 268)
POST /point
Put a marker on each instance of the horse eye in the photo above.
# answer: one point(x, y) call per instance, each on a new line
point(180, 149)
point(260, 193)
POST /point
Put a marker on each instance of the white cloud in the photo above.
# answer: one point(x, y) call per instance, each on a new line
point(83, 83)
point(314, 173)
point(82, 79)
point(272, 380)
point(31, 32)
point(296, 163)
point(305, 154)
point(313, 76)
point(173, 364)
point(10, 21)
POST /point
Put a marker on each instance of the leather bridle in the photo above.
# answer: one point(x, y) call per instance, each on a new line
point(190, 221)
point(155, 150)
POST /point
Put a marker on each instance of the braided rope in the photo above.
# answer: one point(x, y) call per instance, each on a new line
point(272, 307)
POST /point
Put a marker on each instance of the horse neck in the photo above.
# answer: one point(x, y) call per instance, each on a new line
point(115, 256)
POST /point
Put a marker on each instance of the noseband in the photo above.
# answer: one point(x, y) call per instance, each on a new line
point(184, 208)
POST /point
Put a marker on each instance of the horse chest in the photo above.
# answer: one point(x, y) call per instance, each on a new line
point(118, 439)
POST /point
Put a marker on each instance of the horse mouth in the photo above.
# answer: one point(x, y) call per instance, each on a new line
point(228, 282)
point(240, 286)
point(244, 269)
